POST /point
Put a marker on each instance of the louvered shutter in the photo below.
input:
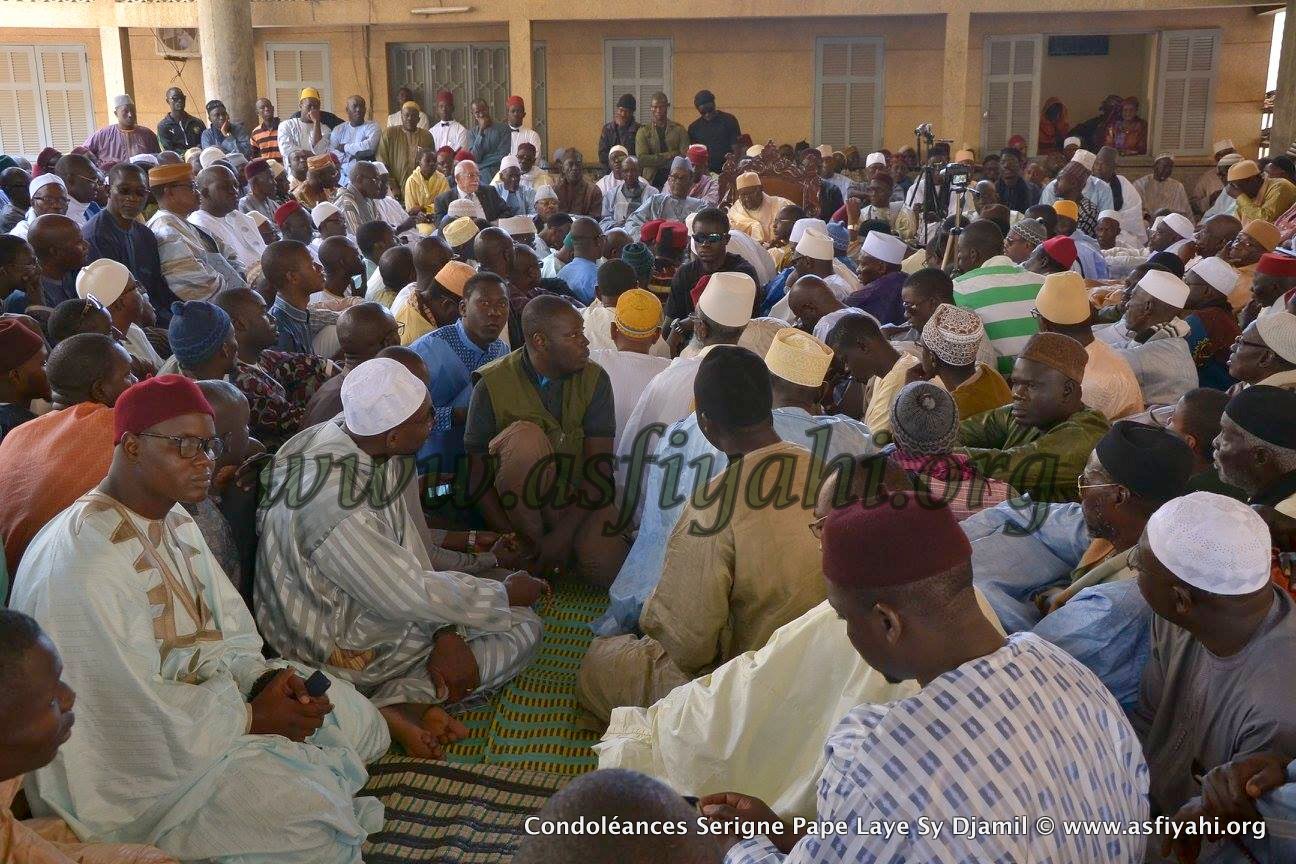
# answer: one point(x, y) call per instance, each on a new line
point(291, 66)
point(848, 92)
point(639, 67)
point(65, 95)
point(538, 110)
point(1011, 92)
point(1186, 74)
point(450, 70)
point(20, 116)
point(490, 77)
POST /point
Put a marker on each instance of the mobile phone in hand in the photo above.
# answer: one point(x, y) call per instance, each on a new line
point(318, 684)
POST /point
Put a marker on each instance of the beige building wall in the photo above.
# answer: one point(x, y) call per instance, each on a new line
point(87, 39)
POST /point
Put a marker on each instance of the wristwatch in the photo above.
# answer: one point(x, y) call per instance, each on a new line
point(472, 540)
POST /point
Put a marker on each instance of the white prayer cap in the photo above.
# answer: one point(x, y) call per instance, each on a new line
point(379, 395)
point(802, 225)
point(1222, 145)
point(758, 334)
point(378, 166)
point(612, 151)
point(516, 226)
point(510, 162)
point(146, 159)
point(38, 183)
point(1278, 330)
point(754, 151)
point(277, 168)
point(121, 101)
point(798, 357)
point(875, 159)
point(815, 244)
point(546, 193)
point(322, 211)
point(1217, 273)
point(210, 156)
point(747, 179)
point(465, 207)
point(1166, 287)
point(1179, 224)
point(1085, 158)
point(829, 321)
point(103, 279)
point(885, 247)
point(728, 299)
point(825, 150)
point(1212, 542)
point(1109, 214)
point(1072, 140)
point(259, 218)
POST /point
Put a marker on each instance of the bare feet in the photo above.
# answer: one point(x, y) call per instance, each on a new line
point(423, 730)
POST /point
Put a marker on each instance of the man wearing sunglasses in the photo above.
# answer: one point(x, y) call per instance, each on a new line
point(83, 184)
point(711, 238)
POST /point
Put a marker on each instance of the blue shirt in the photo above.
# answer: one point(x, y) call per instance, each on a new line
point(1097, 191)
point(355, 143)
point(1092, 264)
point(489, 146)
point(581, 276)
point(451, 357)
point(294, 327)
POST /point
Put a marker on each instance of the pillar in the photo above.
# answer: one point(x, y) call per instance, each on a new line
point(954, 80)
point(228, 62)
point(114, 46)
point(520, 59)
point(1284, 118)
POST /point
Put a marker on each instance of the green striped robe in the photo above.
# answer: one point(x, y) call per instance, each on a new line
point(1003, 294)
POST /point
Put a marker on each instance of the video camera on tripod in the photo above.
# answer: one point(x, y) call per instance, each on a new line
point(938, 186)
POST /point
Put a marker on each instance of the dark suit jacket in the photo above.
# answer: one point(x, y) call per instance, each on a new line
point(492, 204)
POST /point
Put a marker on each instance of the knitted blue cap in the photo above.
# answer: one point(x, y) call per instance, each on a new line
point(198, 330)
point(840, 237)
point(640, 258)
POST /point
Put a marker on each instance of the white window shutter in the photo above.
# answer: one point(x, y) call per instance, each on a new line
point(1187, 70)
point(292, 66)
point(640, 67)
point(848, 92)
point(20, 118)
point(65, 95)
point(1011, 90)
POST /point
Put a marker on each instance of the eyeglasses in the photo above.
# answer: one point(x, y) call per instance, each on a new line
point(189, 446)
point(89, 303)
point(1083, 486)
point(1262, 346)
point(817, 526)
point(709, 239)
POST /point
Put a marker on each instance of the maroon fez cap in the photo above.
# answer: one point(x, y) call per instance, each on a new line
point(894, 542)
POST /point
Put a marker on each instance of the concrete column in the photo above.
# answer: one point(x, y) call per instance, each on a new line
point(228, 62)
point(954, 80)
point(1284, 119)
point(114, 45)
point(520, 59)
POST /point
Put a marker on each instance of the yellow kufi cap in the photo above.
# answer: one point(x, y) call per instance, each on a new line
point(1064, 299)
point(638, 313)
point(1069, 209)
point(798, 357)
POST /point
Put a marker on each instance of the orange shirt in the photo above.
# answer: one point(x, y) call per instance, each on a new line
point(45, 465)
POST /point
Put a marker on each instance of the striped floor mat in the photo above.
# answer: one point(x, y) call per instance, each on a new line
point(453, 814)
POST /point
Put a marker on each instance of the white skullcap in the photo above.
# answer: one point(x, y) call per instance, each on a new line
point(1217, 273)
point(546, 193)
point(825, 150)
point(379, 395)
point(875, 159)
point(1072, 140)
point(323, 210)
point(613, 150)
point(728, 299)
point(510, 162)
point(1212, 542)
point(210, 156)
point(829, 321)
point(1278, 330)
point(885, 247)
point(103, 279)
point(465, 207)
point(754, 151)
point(1179, 224)
point(516, 226)
point(1222, 144)
point(815, 244)
point(122, 101)
point(147, 159)
point(1109, 214)
point(379, 167)
point(801, 225)
point(259, 218)
point(1166, 287)
point(1085, 158)
point(798, 357)
point(38, 183)
point(747, 179)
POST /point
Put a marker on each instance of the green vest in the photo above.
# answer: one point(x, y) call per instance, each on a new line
point(514, 397)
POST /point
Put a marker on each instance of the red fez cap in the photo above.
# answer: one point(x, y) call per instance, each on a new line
point(648, 233)
point(697, 154)
point(515, 100)
point(444, 95)
point(18, 344)
point(285, 210)
point(894, 542)
point(696, 294)
point(464, 155)
point(255, 167)
point(1061, 249)
point(674, 233)
point(157, 400)
point(1275, 264)
point(446, 149)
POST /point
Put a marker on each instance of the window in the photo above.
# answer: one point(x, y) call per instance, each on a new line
point(1187, 67)
point(538, 108)
point(44, 98)
point(848, 92)
point(292, 66)
point(640, 67)
point(468, 71)
point(1011, 92)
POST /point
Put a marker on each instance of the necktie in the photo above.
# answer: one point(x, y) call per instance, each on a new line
point(445, 124)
